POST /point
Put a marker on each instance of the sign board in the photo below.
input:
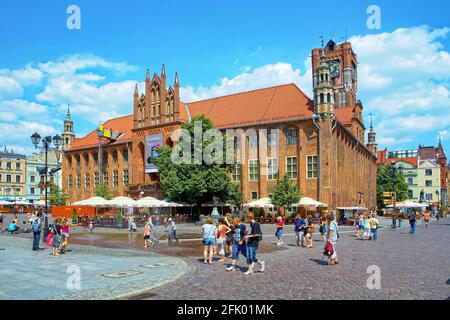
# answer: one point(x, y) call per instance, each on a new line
point(152, 142)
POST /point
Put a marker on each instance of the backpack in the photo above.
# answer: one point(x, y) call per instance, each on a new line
point(328, 250)
point(36, 225)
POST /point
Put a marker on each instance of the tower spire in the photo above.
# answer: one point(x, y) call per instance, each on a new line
point(147, 75)
point(163, 71)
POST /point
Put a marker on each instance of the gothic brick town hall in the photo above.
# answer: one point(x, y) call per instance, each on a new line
point(322, 140)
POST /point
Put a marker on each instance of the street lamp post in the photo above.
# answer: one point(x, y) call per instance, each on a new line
point(46, 146)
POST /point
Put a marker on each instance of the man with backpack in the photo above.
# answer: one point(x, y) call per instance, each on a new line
point(37, 222)
point(412, 223)
point(253, 238)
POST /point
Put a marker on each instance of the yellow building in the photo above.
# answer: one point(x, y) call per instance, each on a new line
point(12, 175)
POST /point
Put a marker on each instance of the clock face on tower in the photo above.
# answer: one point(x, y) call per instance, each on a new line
point(335, 68)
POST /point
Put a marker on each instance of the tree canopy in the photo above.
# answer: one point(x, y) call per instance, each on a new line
point(387, 183)
point(197, 182)
point(57, 197)
point(286, 193)
point(104, 191)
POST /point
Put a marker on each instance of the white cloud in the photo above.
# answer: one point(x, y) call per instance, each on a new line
point(70, 64)
point(403, 80)
point(10, 88)
point(19, 133)
point(252, 78)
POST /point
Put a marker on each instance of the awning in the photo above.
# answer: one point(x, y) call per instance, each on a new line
point(309, 202)
point(261, 203)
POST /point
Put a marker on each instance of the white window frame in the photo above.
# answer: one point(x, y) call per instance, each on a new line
point(289, 173)
point(271, 174)
point(317, 166)
point(250, 161)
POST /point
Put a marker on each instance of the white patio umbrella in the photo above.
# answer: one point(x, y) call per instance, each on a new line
point(5, 203)
point(309, 202)
point(260, 203)
point(122, 202)
point(409, 204)
point(22, 203)
point(150, 202)
point(93, 202)
point(40, 203)
point(352, 208)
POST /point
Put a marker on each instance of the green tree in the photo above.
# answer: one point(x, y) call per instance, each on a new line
point(286, 193)
point(57, 197)
point(197, 183)
point(387, 183)
point(104, 191)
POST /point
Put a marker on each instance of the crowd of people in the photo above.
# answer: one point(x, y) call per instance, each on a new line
point(231, 238)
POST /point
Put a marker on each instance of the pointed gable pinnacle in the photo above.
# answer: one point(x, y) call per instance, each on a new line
point(147, 76)
point(136, 91)
point(177, 81)
point(163, 71)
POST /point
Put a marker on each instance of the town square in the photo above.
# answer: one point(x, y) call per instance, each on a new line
point(189, 151)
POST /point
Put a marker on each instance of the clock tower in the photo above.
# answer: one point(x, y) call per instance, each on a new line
point(343, 64)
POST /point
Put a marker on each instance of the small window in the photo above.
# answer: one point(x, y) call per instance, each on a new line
point(126, 177)
point(429, 183)
point(115, 178)
point(428, 172)
point(237, 172)
point(312, 167)
point(105, 178)
point(272, 169)
point(410, 194)
point(87, 181)
point(410, 181)
point(96, 179)
point(254, 170)
point(292, 167)
point(429, 197)
point(254, 195)
point(291, 137)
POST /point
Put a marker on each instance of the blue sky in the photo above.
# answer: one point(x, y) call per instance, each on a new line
point(218, 47)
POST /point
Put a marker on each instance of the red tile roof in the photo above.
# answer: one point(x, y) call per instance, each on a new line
point(253, 107)
point(410, 160)
point(266, 105)
point(123, 124)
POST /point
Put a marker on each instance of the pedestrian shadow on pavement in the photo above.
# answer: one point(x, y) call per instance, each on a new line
point(320, 262)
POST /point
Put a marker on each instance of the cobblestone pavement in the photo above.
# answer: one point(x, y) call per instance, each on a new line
point(412, 267)
point(103, 273)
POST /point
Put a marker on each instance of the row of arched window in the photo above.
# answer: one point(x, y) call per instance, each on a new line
point(155, 107)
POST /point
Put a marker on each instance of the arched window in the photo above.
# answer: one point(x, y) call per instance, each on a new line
point(322, 98)
point(326, 77)
point(321, 77)
point(329, 97)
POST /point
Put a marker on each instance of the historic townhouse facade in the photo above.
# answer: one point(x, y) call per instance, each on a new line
point(12, 175)
point(321, 142)
point(35, 179)
point(425, 170)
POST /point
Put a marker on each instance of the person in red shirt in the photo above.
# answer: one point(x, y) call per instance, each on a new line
point(279, 233)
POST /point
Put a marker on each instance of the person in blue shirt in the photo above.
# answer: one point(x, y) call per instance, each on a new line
point(332, 237)
point(13, 227)
point(239, 245)
point(300, 225)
